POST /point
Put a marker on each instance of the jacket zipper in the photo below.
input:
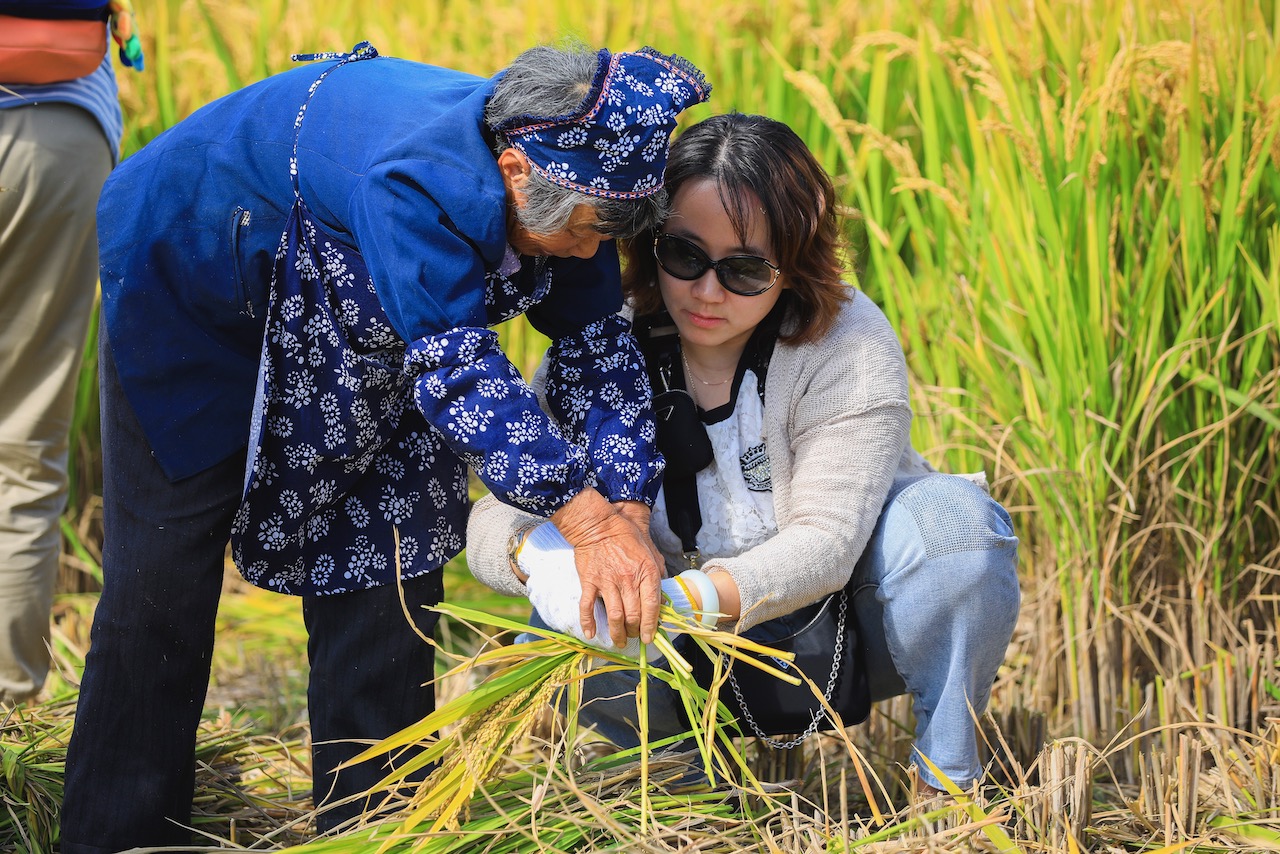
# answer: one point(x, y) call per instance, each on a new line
point(239, 223)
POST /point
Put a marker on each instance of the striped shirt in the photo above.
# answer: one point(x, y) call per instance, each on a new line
point(96, 93)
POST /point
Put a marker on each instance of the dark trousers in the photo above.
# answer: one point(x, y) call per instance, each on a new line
point(130, 766)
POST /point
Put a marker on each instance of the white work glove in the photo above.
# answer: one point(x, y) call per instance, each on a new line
point(555, 590)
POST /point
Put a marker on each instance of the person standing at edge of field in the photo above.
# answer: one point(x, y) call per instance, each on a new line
point(60, 129)
point(299, 287)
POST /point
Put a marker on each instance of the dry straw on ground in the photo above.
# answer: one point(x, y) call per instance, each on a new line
point(1178, 786)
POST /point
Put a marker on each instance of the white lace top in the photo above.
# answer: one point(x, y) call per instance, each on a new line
point(735, 492)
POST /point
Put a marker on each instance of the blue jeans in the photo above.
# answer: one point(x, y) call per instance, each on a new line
point(131, 762)
point(937, 603)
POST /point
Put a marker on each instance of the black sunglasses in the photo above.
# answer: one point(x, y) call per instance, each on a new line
point(745, 275)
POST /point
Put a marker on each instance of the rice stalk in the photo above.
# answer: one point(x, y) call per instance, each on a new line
point(468, 738)
point(247, 786)
point(31, 787)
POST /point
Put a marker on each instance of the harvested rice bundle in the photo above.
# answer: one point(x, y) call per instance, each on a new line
point(469, 737)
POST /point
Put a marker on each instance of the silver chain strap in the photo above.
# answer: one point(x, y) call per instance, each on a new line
point(821, 712)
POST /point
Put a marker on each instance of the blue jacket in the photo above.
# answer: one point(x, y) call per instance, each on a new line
point(393, 157)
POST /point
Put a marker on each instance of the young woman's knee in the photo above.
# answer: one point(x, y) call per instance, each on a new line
point(967, 539)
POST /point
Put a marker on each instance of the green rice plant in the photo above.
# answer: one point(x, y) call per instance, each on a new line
point(80, 535)
point(1070, 220)
point(86, 452)
point(31, 785)
point(245, 786)
point(469, 738)
point(592, 809)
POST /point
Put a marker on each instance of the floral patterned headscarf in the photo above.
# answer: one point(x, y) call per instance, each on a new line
point(615, 143)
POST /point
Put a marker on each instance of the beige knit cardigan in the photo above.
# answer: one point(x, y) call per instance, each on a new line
point(837, 418)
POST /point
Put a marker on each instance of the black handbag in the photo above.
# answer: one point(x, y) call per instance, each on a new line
point(823, 636)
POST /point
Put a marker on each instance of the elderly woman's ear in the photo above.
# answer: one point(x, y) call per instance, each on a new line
point(515, 168)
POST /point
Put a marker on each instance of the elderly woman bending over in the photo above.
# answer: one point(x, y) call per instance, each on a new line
point(299, 287)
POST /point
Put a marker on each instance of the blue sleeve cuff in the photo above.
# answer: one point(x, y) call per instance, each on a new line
point(599, 392)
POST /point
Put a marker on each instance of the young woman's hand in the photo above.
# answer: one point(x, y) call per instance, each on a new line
point(616, 562)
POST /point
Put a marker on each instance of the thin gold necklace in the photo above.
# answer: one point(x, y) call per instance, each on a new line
point(690, 372)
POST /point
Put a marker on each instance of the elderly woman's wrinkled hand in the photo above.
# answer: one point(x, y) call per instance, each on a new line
point(616, 562)
point(555, 591)
point(639, 514)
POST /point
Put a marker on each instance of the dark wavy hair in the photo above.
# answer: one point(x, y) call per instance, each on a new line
point(754, 155)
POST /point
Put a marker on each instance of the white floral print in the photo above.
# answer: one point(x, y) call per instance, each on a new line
point(365, 436)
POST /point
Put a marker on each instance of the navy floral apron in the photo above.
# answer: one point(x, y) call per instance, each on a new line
point(347, 485)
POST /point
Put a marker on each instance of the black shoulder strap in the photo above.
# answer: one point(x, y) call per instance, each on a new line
point(682, 438)
point(660, 343)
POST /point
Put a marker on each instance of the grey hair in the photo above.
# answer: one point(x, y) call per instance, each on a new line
point(547, 82)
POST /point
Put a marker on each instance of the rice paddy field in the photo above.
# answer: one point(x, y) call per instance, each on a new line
point(1068, 209)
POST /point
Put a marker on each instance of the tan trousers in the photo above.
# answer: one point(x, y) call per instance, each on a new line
point(53, 162)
